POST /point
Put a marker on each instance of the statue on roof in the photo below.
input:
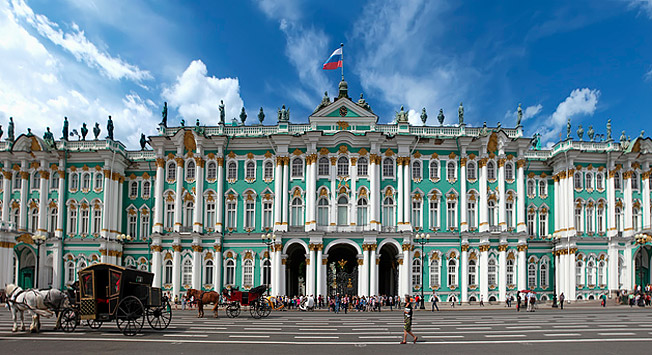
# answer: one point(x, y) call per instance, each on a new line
point(498, 126)
point(484, 131)
point(164, 121)
point(109, 128)
point(221, 107)
point(65, 129)
point(261, 116)
point(48, 137)
point(143, 141)
point(283, 114)
point(591, 133)
point(642, 134)
point(519, 115)
point(96, 130)
point(84, 131)
point(623, 137)
point(580, 132)
point(440, 117)
point(10, 130)
point(363, 103)
point(536, 141)
point(568, 129)
point(460, 114)
point(29, 132)
point(609, 130)
point(1, 131)
point(243, 116)
point(424, 116)
point(402, 116)
point(325, 101)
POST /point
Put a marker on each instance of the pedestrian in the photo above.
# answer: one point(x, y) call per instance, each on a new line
point(603, 302)
point(518, 301)
point(434, 301)
point(481, 301)
point(561, 300)
point(391, 303)
point(407, 321)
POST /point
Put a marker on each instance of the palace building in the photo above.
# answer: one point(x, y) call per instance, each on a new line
point(341, 204)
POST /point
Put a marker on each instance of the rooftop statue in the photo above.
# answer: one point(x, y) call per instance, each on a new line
point(623, 137)
point(642, 134)
point(460, 114)
point(96, 130)
point(221, 107)
point(609, 130)
point(109, 128)
point(48, 137)
point(198, 128)
point(10, 130)
point(519, 115)
point(568, 129)
point(402, 116)
point(29, 132)
point(65, 129)
point(591, 133)
point(440, 117)
point(143, 141)
point(325, 101)
point(84, 131)
point(424, 116)
point(261, 116)
point(580, 132)
point(283, 114)
point(243, 116)
point(498, 126)
point(164, 121)
point(1, 131)
point(483, 130)
point(363, 103)
point(536, 141)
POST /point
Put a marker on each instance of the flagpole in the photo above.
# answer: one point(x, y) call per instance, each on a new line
point(342, 46)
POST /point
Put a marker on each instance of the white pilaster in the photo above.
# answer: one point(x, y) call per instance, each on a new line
point(198, 225)
point(217, 262)
point(286, 193)
point(365, 270)
point(399, 195)
point(502, 221)
point(464, 270)
point(645, 197)
point(24, 194)
point(464, 224)
point(197, 264)
point(219, 220)
point(502, 271)
point(374, 194)
point(319, 265)
point(176, 269)
point(571, 274)
point(628, 203)
point(178, 201)
point(522, 266)
point(520, 197)
point(407, 192)
point(310, 272)
point(373, 271)
point(156, 261)
point(483, 225)
point(158, 196)
point(483, 272)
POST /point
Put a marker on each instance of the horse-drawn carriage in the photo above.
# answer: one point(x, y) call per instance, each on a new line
point(109, 292)
point(258, 306)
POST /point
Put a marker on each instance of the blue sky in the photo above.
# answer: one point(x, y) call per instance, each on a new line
point(584, 60)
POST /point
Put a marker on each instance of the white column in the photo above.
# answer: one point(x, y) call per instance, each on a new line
point(24, 191)
point(156, 261)
point(464, 224)
point(158, 196)
point(43, 202)
point(319, 265)
point(198, 225)
point(571, 274)
point(286, 193)
point(612, 266)
point(646, 197)
point(502, 270)
point(219, 223)
point(563, 273)
point(610, 211)
point(365, 270)
point(109, 203)
point(310, 277)
point(628, 203)
point(483, 225)
point(178, 201)
point(311, 184)
point(57, 258)
point(482, 273)
point(522, 267)
point(278, 270)
point(197, 264)
point(6, 196)
point(502, 224)
point(407, 194)
point(520, 197)
point(176, 270)
point(361, 273)
point(557, 272)
point(217, 262)
point(281, 284)
point(464, 268)
point(374, 194)
point(399, 196)
point(353, 202)
point(119, 195)
point(373, 271)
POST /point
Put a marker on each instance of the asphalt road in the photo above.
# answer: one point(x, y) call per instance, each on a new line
point(615, 330)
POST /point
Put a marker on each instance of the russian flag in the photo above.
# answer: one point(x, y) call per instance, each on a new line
point(335, 60)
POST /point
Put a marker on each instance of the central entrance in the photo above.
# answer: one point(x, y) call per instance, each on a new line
point(342, 271)
point(295, 267)
point(642, 266)
point(388, 270)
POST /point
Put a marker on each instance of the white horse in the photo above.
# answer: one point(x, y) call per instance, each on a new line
point(37, 303)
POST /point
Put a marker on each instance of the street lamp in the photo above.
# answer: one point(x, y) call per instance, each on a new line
point(554, 240)
point(422, 239)
point(38, 239)
point(269, 239)
point(122, 239)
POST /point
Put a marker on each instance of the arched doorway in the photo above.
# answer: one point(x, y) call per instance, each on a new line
point(642, 266)
point(26, 266)
point(342, 272)
point(295, 270)
point(388, 270)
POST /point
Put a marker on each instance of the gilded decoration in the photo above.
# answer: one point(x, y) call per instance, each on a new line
point(217, 248)
point(323, 151)
point(451, 155)
point(157, 248)
point(297, 152)
point(389, 153)
point(434, 156)
point(416, 154)
point(484, 248)
point(333, 161)
point(502, 247)
point(189, 141)
point(25, 238)
point(472, 256)
point(511, 256)
point(362, 152)
point(465, 247)
point(522, 247)
point(177, 248)
point(343, 125)
point(197, 248)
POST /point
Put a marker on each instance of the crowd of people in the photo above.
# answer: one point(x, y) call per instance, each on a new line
point(641, 296)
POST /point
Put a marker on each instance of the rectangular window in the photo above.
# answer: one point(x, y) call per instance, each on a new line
point(133, 222)
point(600, 220)
point(470, 214)
point(97, 220)
point(267, 215)
point(530, 223)
point(249, 214)
point(210, 215)
point(543, 224)
point(84, 221)
point(434, 214)
point(509, 219)
point(362, 214)
point(230, 215)
point(416, 214)
point(169, 215)
point(452, 222)
point(144, 226)
point(589, 220)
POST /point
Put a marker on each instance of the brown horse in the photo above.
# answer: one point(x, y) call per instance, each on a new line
point(203, 298)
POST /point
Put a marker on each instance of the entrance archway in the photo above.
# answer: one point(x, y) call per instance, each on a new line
point(388, 270)
point(342, 272)
point(26, 266)
point(295, 270)
point(642, 266)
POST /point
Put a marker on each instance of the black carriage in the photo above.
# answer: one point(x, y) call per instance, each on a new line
point(258, 306)
point(108, 292)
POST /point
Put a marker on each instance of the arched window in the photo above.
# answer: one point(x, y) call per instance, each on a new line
point(470, 214)
point(388, 212)
point(232, 171)
point(619, 216)
point(388, 168)
point(450, 167)
point(248, 273)
point(54, 180)
point(186, 272)
point(363, 166)
point(416, 273)
point(268, 172)
point(416, 170)
point(600, 219)
point(72, 220)
point(70, 272)
point(147, 189)
point(74, 182)
point(491, 170)
point(362, 212)
point(530, 222)
point(230, 272)
point(99, 180)
point(96, 226)
point(36, 180)
point(133, 189)
point(86, 181)
point(578, 217)
point(296, 215)
point(169, 214)
point(342, 166)
point(532, 276)
point(617, 182)
point(471, 172)
point(434, 170)
point(250, 171)
point(530, 187)
point(210, 214)
point(342, 211)
point(543, 271)
point(434, 273)
point(144, 224)
point(543, 224)
point(168, 272)
point(231, 217)
point(491, 213)
point(509, 171)
point(579, 273)
point(472, 272)
point(172, 171)
point(190, 170)
point(268, 207)
point(589, 219)
point(211, 170)
point(590, 266)
point(297, 168)
point(599, 182)
point(188, 214)
point(54, 214)
point(323, 167)
point(602, 268)
point(85, 220)
point(208, 272)
point(578, 181)
point(491, 272)
point(416, 213)
point(543, 191)
point(634, 180)
point(452, 273)
point(509, 214)
point(510, 272)
point(636, 218)
point(589, 181)
point(267, 272)
point(132, 222)
point(451, 212)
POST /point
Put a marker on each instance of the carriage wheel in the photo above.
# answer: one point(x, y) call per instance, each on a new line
point(130, 316)
point(159, 318)
point(94, 324)
point(233, 310)
point(264, 309)
point(68, 320)
point(254, 308)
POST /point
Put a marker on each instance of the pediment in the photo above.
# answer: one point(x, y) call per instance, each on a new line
point(343, 109)
point(29, 143)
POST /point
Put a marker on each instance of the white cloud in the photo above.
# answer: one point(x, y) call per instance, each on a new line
point(196, 95)
point(529, 112)
point(579, 102)
point(281, 9)
point(79, 46)
point(642, 5)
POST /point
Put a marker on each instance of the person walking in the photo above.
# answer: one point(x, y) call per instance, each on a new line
point(481, 301)
point(407, 321)
point(434, 301)
point(518, 301)
point(561, 300)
